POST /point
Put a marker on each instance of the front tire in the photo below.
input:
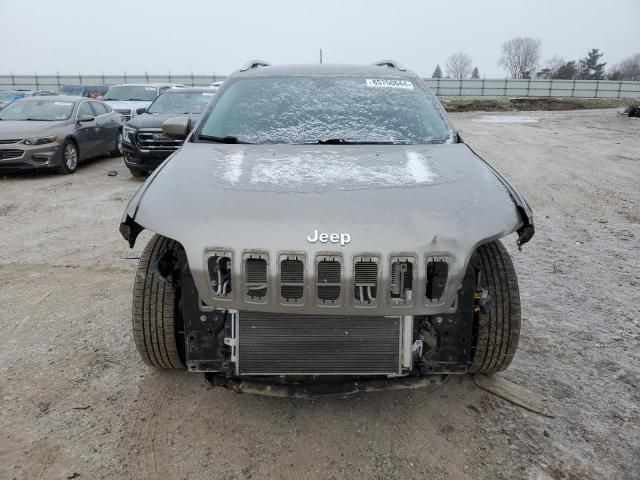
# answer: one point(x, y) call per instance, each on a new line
point(117, 151)
point(496, 332)
point(157, 316)
point(136, 173)
point(70, 158)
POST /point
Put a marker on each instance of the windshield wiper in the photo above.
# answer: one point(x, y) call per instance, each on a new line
point(342, 141)
point(227, 139)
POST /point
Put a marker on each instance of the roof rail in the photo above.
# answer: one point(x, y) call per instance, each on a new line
point(254, 64)
point(390, 64)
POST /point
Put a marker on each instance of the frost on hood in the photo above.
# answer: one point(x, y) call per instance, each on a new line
point(318, 170)
point(306, 109)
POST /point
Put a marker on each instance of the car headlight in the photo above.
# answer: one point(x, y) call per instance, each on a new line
point(40, 140)
point(128, 133)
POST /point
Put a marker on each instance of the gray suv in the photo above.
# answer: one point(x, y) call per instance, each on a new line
point(325, 226)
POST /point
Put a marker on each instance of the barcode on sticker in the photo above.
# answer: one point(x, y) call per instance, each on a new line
point(389, 83)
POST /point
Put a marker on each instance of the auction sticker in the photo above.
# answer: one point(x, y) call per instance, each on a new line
point(389, 83)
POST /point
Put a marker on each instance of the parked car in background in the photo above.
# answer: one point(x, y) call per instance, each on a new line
point(89, 91)
point(144, 146)
point(10, 96)
point(217, 85)
point(56, 132)
point(128, 98)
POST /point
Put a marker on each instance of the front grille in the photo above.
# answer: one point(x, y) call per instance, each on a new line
point(282, 344)
point(126, 113)
point(255, 277)
point(10, 140)
point(7, 154)
point(156, 140)
point(291, 279)
point(328, 280)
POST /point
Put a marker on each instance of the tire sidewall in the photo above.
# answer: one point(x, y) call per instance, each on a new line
point(64, 167)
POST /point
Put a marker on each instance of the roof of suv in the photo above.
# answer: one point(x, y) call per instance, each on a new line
point(148, 85)
point(324, 69)
point(190, 89)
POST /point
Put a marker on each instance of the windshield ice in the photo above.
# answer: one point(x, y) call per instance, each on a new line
point(308, 109)
point(181, 102)
point(131, 93)
point(45, 110)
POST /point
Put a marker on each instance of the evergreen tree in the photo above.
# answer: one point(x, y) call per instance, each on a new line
point(475, 73)
point(568, 71)
point(590, 69)
point(437, 73)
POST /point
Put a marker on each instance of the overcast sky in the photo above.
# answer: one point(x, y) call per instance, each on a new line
point(135, 36)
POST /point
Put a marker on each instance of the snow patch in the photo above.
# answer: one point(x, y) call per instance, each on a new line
point(233, 167)
point(418, 168)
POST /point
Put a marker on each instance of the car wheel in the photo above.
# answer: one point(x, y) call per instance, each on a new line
point(137, 173)
point(117, 151)
point(70, 158)
point(496, 328)
point(157, 312)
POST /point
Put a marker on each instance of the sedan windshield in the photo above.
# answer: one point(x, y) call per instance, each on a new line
point(325, 109)
point(131, 93)
point(44, 110)
point(181, 102)
point(10, 96)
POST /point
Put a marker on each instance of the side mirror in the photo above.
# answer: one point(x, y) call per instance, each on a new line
point(177, 127)
point(140, 111)
point(86, 118)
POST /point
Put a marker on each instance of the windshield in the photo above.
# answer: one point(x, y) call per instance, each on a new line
point(72, 90)
point(331, 109)
point(45, 110)
point(181, 102)
point(9, 96)
point(131, 93)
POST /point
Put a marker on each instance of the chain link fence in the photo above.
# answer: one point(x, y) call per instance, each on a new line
point(442, 86)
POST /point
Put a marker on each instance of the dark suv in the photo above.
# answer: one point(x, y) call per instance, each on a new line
point(89, 91)
point(145, 146)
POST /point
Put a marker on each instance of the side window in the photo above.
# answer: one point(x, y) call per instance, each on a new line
point(85, 109)
point(107, 107)
point(98, 108)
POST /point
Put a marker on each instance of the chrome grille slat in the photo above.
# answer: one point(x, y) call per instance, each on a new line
point(291, 279)
point(329, 279)
point(365, 280)
point(255, 277)
point(156, 140)
point(10, 141)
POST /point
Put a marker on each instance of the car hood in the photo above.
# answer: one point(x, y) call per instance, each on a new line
point(20, 129)
point(422, 199)
point(155, 120)
point(119, 105)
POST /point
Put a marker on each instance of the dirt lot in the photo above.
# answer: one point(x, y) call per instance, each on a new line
point(77, 402)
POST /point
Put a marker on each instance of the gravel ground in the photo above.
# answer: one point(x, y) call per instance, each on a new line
point(78, 403)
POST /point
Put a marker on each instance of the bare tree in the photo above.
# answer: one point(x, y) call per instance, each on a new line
point(630, 68)
point(520, 56)
point(459, 65)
